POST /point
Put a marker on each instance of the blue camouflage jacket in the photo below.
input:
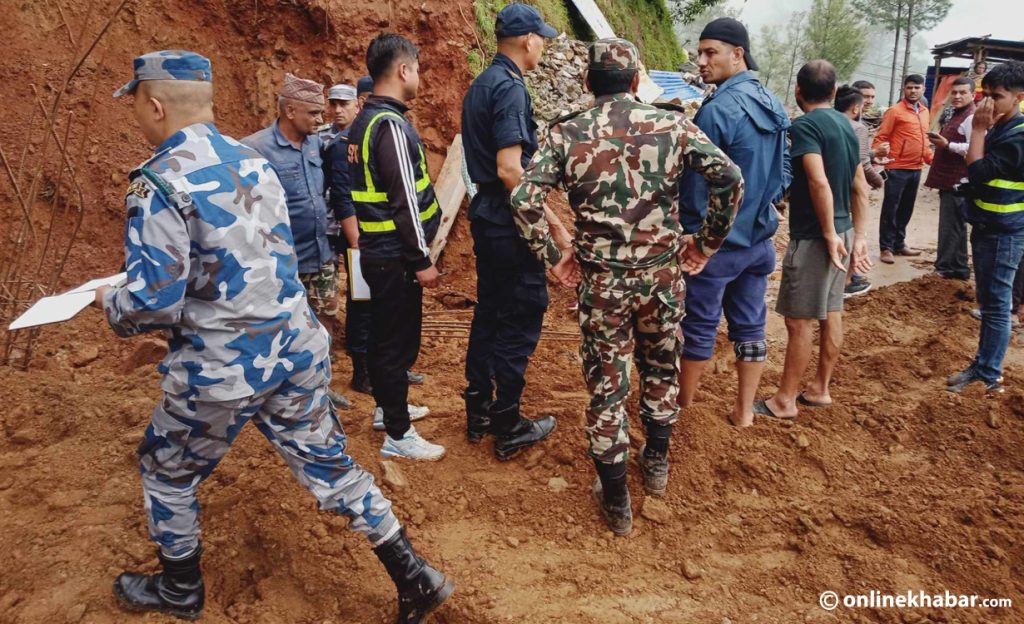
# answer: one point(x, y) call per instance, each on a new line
point(211, 262)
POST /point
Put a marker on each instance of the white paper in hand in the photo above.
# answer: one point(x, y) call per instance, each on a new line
point(57, 308)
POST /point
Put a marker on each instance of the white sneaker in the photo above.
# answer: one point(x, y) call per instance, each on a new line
point(416, 412)
point(411, 446)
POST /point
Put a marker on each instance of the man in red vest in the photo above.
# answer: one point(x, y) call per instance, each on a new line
point(948, 169)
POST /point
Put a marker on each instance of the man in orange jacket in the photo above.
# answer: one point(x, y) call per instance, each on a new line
point(905, 128)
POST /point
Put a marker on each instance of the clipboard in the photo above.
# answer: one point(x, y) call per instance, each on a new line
point(357, 285)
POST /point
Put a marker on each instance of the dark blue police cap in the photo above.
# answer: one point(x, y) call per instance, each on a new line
point(519, 19)
point(365, 85)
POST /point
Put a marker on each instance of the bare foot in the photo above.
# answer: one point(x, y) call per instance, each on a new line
point(780, 410)
point(745, 420)
point(815, 397)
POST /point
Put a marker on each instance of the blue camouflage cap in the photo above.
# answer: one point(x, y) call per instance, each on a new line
point(168, 65)
point(519, 19)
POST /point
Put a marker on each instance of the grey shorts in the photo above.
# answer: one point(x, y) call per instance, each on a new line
point(811, 287)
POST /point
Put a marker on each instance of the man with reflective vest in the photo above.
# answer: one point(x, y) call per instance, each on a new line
point(995, 209)
point(398, 217)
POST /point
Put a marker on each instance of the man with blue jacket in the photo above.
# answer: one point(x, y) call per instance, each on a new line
point(749, 124)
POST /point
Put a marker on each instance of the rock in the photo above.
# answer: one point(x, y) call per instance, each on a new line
point(513, 542)
point(533, 457)
point(993, 420)
point(690, 570)
point(802, 441)
point(557, 484)
point(147, 352)
point(85, 355)
point(75, 613)
point(655, 510)
point(393, 475)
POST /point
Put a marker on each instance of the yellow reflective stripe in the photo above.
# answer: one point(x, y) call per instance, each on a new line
point(422, 184)
point(1006, 184)
point(369, 196)
point(370, 188)
point(389, 225)
point(999, 207)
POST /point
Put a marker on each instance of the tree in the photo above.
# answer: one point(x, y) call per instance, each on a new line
point(688, 32)
point(836, 34)
point(777, 52)
point(687, 11)
point(907, 16)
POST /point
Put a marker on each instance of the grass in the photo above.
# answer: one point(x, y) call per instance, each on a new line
point(555, 12)
point(648, 24)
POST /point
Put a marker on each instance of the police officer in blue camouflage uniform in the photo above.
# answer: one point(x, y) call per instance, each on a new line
point(211, 264)
point(499, 136)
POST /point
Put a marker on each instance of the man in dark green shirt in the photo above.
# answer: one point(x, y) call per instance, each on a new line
point(828, 214)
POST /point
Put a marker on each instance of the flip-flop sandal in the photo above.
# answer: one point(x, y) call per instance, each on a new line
point(761, 407)
point(802, 400)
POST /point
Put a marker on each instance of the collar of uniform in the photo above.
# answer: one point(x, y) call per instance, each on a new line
point(614, 97)
point(180, 137)
point(388, 101)
point(735, 79)
point(283, 141)
point(507, 63)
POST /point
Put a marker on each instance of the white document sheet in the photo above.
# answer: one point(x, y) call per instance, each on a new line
point(57, 308)
point(360, 289)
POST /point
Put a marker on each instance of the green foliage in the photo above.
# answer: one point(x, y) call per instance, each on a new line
point(648, 24)
point(554, 12)
point(890, 13)
point(689, 11)
point(836, 34)
point(689, 32)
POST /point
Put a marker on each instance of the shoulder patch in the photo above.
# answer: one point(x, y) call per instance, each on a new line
point(139, 189)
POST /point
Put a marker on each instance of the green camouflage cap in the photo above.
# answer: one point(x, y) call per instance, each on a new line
point(613, 55)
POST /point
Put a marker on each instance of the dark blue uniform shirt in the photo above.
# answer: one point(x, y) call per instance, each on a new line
point(496, 113)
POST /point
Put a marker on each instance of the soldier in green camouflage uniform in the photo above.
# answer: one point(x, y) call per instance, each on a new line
point(620, 162)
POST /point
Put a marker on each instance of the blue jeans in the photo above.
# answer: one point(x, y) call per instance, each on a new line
point(897, 208)
point(733, 281)
point(996, 257)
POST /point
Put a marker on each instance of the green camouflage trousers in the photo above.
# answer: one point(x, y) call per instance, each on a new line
point(620, 313)
point(322, 290)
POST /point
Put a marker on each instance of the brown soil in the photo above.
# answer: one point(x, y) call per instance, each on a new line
point(899, 487)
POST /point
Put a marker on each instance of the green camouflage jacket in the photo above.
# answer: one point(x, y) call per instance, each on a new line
point(620, 163)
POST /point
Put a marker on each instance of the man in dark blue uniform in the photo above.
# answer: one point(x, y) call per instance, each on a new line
point(499, 136)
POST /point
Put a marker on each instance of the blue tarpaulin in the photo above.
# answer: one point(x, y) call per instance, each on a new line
point(675, 87)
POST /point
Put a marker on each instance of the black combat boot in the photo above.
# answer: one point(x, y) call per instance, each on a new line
point(478, 415)
point(612, 496)
point(421, 588)
point(360, 374)
point(177, 591)
point(513, 433)
point(653, 458)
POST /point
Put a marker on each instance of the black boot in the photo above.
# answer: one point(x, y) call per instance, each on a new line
point(612, 496)
point(478, 415)
point(514, 433)
point(653, 458)
point(421, 588)
point(177, 591)
point(360, 374)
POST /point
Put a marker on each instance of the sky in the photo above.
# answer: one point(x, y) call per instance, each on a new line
point(967, 18)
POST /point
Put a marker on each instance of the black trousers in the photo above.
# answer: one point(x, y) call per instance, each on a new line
point(951, 256)
point(512, 297)
point(396, 308)
point(897, 208)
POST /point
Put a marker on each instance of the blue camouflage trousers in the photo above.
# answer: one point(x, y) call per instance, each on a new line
point(186, 439)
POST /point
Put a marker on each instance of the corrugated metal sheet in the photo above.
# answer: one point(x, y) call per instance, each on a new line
point(675, 87)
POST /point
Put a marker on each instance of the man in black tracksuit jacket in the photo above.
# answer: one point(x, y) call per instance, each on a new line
point(398, 217)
